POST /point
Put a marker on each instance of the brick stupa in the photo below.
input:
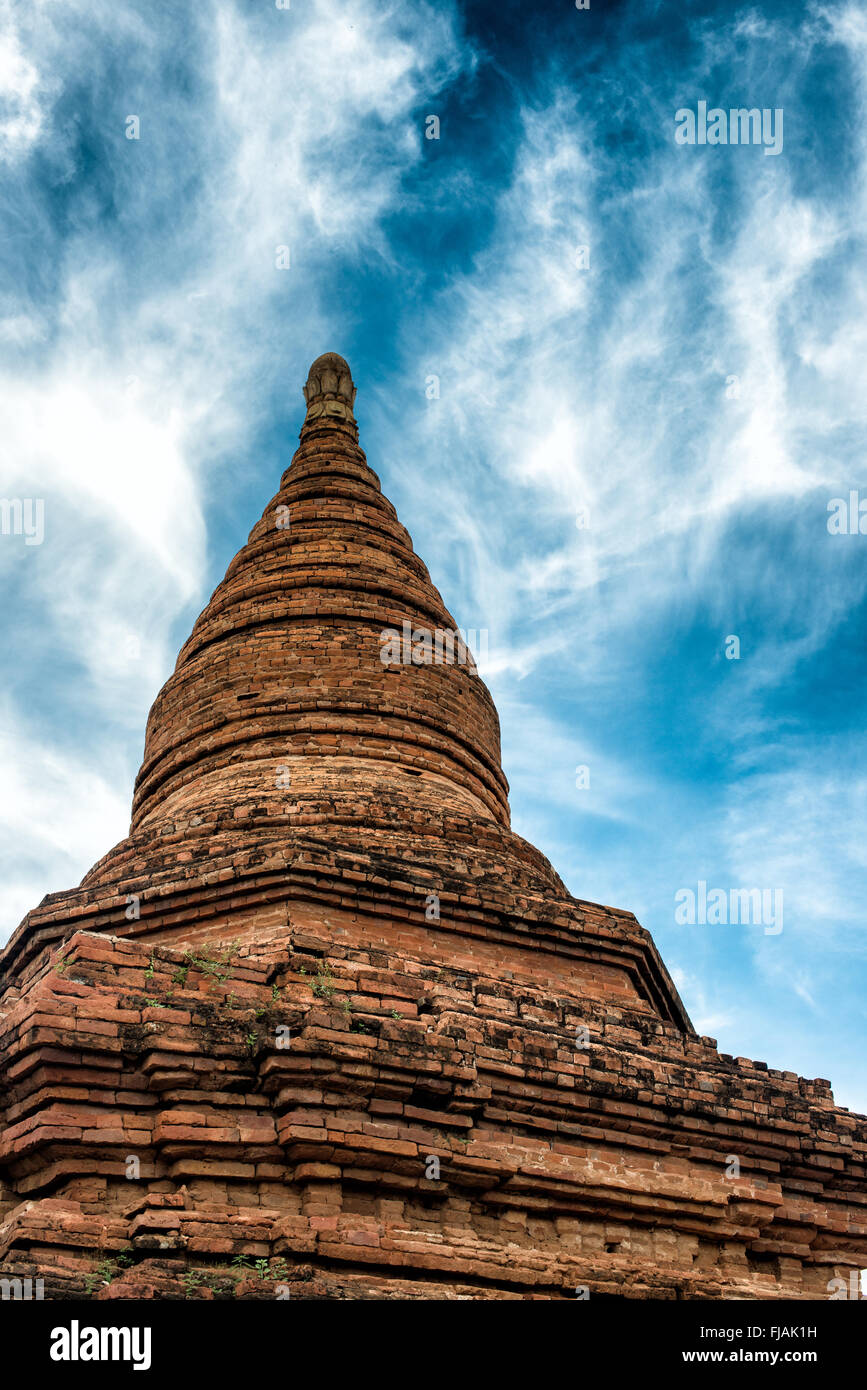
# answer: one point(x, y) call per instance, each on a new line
point(323, 1010)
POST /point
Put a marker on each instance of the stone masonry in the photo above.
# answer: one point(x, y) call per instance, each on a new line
point(324, 1027)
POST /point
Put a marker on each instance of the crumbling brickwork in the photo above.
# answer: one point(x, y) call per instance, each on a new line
point(323, 1026)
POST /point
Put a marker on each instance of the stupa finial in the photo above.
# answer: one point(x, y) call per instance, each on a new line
point(330, 392)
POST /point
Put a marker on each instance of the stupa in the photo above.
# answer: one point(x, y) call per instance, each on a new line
point(323, 1026)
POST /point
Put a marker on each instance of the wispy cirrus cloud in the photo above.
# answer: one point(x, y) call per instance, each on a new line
point(691, 400)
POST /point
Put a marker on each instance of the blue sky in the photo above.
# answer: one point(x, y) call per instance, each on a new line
point(695, 389)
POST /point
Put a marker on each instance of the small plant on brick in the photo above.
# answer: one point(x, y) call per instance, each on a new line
point(275, 993)
point(195, 1279)
point(149, 973)
point(214, 964)
point(274, 1267)
point(192, 1280)
point(107, 1269)
point(323, 985)
point(61, 965)
point(180, 975)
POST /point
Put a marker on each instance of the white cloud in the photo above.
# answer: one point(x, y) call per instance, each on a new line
point(563, 389)
point(21, 112)
point(55, 808)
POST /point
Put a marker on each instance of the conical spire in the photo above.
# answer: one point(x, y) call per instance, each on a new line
point(315, 759)
point(307, 677)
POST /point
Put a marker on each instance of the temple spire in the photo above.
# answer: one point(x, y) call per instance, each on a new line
point(330, 393)
point(304, 660)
